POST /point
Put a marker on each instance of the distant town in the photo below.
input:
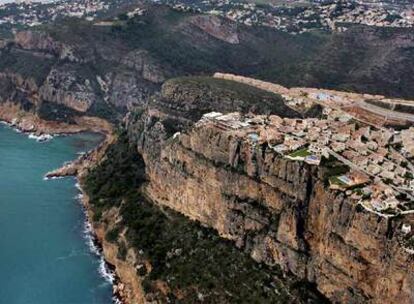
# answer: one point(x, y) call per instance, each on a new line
point(302, 16)
point(293, 16)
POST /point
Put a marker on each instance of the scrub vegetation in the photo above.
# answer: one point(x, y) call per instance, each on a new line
point(192, 260)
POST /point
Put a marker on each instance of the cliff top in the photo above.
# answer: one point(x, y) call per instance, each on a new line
point(380, 177)
point(199, 95)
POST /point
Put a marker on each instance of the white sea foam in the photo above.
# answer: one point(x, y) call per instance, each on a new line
point(103, 269)
point(46, 178)
point(116, 300)
point(40, 138)
point(90, 241)
point(105, 272)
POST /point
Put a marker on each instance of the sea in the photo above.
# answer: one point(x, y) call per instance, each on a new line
point(47, 254)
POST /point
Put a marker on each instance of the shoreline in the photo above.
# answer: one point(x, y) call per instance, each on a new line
point(75, 168)
point(30, 123)
point(96, 246)
point(106, 270)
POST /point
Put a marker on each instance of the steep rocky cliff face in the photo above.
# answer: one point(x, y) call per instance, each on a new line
point(39, 70)
point(162, 256)
point(279, 211)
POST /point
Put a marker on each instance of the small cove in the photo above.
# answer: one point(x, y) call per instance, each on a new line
point(45, 256)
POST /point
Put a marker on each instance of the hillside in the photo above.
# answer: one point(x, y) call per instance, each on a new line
point(200, 95)
point(105, 69)
point(192, 208)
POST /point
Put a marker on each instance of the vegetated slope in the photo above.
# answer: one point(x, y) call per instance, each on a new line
point(200, 95)
point(103, 70)
point(365, 59)
point(177, 259)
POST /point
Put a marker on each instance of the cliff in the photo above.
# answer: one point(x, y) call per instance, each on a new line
point(160, 199)
point(164, 251)
point(278, 211)
point(161, 256)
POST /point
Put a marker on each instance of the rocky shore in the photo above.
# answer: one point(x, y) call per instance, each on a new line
point(31, 124)
point(122, 272)
point(127, 287)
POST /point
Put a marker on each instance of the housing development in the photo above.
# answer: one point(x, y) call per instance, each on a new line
point(301, 16)
point(369, 163)
point(292, 16)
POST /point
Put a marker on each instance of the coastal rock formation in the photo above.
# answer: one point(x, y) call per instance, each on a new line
point(129, 288)
point(41, 68)
point(64, 86)
point(279, 211)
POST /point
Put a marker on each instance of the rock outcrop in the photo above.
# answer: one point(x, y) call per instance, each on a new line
point(64, 86)
point(38, 67)
point(277, 210)
point(217, 27)
point(40, 41)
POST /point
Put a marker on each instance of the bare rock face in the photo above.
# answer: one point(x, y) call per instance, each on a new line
point(35, 40)
point(277, 210)
point(217, 27)
point(65, 86)
point(145, 65)
point(38, 41)
point(79, 76)
point(125, 89)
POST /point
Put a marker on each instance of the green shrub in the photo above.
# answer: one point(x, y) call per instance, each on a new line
point(112, 235)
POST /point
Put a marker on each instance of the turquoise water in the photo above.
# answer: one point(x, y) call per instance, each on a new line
point(44, 255)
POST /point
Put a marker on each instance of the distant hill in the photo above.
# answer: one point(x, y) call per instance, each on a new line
point(104, 69)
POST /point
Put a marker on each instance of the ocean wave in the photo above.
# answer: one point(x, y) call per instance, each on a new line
point(10, 125)
point(41, 138)
point(116, 300)
point(90, 239)
point(88, 233)
point(46, 178)
point(106, 273)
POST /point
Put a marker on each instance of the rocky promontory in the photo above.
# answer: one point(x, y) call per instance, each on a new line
point(279, 211)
